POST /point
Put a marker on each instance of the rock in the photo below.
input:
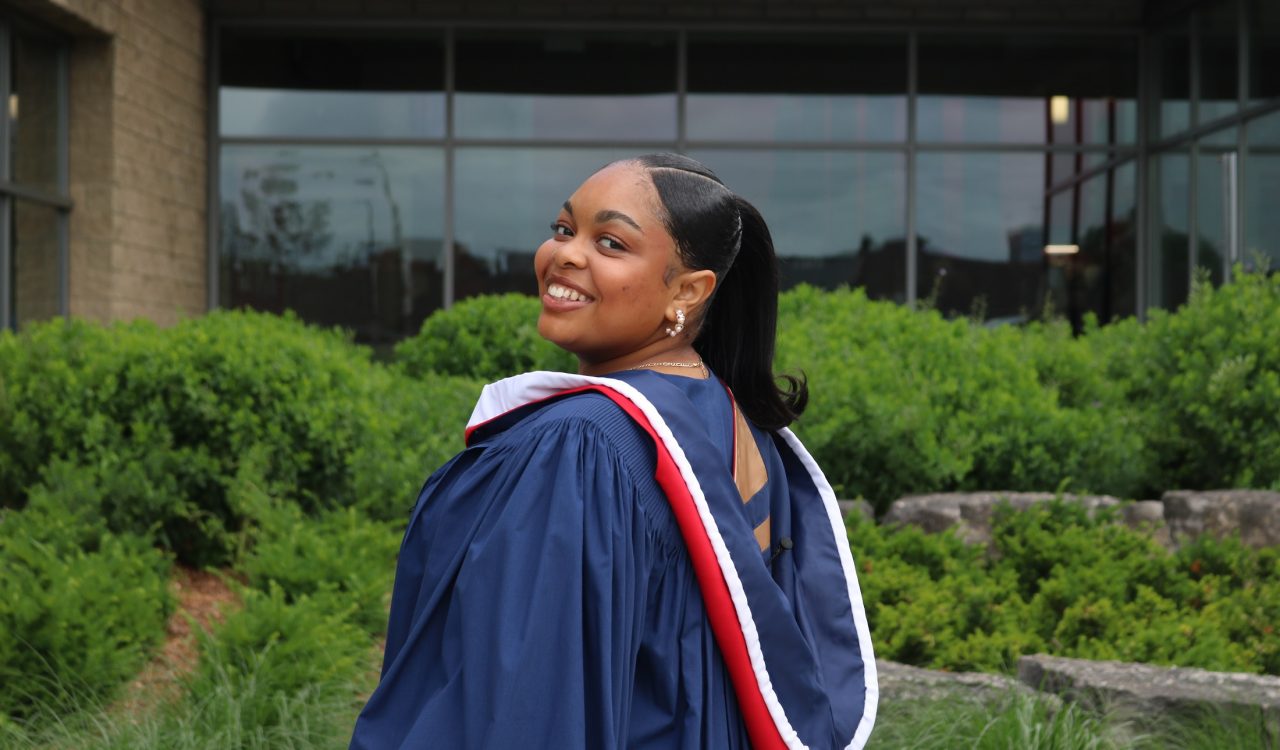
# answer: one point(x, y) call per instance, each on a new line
point(857, 506)
point(1255, 514)
point(1146, 689)
point(971, 512)
point(899, 682)
point(1147, 515)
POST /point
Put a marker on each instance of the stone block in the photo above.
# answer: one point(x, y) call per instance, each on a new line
point(857, 506)
point(900, 682)
point(1146, 689)
point(1147, 515)
point(971, 512)
point(1254, 514)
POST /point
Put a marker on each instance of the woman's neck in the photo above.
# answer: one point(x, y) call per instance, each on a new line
point(650, 358)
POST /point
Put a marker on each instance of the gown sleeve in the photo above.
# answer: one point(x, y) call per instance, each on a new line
point(518, 603)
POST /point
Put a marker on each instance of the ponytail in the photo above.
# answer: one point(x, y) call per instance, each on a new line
point(739, 329)
point(716, 229)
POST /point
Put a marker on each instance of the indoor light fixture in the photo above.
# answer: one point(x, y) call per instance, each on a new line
point(1059, 109)
point(1061, 249)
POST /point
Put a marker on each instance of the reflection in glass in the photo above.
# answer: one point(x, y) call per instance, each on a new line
point(1097, 217)
point(1021, 88)
point(1265, 131)
point(1212, 243)
point(981, 233)
point(1171, 69)
point(329, 85)
point(1064, 165)
point(1261, 187)
point(1170, 205)
point(1219, 61)
point(1102, 277)
point(35, 276)
point(767, 87)
point(346, 236)
point(506, 199)
point(33, 114)
point(566, 85)
point(1264, 49)
point(837, 218)
point(329, 114)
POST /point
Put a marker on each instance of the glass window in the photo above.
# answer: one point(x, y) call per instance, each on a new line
point(330, 86)
point(37, 281)
point(797, 88)
point(1264, 49)
point(837, 218)
point(1110, 236)
point(1219, 61)
point(1096, 216)
point(1171, 70)
point(1213, 210)
point(981, 232)
point(346, 236)
point(1261, 236)
point(506, 199)
point(1022, 88)
point(1171, 204)
point(566, 85)
point(33, 114)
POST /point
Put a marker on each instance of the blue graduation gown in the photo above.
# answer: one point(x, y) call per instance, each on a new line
point(545, 596)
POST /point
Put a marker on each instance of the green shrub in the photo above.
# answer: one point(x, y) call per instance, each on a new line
point(80, 609)
point(1060, 581)
point(342, 561)
point(161, 419)
point(488, 337)
point(1207, 378)
point(904, 402)
point(274, 650)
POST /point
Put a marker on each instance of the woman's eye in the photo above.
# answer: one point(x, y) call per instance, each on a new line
point(610, 243)
point(561, 230)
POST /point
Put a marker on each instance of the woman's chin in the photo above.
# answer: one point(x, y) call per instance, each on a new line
point(552, 330)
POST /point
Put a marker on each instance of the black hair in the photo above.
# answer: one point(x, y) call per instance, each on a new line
point(718, 230)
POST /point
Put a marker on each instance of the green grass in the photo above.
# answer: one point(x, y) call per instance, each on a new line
point(221, 711)
point(320, 717)
point(1029, 722)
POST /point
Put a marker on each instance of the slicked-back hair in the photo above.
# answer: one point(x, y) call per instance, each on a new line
point(718, 230)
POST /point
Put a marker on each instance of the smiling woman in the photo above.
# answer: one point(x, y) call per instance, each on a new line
point(640, 555)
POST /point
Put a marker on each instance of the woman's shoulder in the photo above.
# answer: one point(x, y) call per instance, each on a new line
point(583, 416)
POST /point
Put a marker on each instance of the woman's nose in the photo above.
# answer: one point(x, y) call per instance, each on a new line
point(570, 254)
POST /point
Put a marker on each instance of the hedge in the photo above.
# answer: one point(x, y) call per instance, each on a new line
point(1059, 581)
point(80, 608)
point(160, 420)
point(488, 337)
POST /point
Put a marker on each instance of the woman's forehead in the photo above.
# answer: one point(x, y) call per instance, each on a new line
point(623, 186)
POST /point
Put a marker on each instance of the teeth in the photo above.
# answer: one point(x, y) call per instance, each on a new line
point(565, 293)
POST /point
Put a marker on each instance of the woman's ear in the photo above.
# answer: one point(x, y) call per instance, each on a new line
point(692, 290)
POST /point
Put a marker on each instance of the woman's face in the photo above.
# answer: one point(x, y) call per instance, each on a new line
point(603, 273)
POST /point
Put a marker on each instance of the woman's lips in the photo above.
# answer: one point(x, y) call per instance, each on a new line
point(563, 296)
point(559, 304)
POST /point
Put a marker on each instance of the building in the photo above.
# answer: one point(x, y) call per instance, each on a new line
point(365, 162)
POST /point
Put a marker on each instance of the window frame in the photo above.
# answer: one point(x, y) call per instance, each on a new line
point(11, 192)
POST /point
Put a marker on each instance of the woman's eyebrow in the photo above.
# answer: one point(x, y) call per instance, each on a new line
point(610, 215)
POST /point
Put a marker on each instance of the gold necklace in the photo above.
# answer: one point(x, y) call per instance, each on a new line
point(705, 373)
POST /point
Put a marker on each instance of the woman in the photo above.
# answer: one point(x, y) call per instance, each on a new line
point(640, 555)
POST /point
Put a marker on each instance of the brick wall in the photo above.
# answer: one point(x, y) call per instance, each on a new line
point(137, 155)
